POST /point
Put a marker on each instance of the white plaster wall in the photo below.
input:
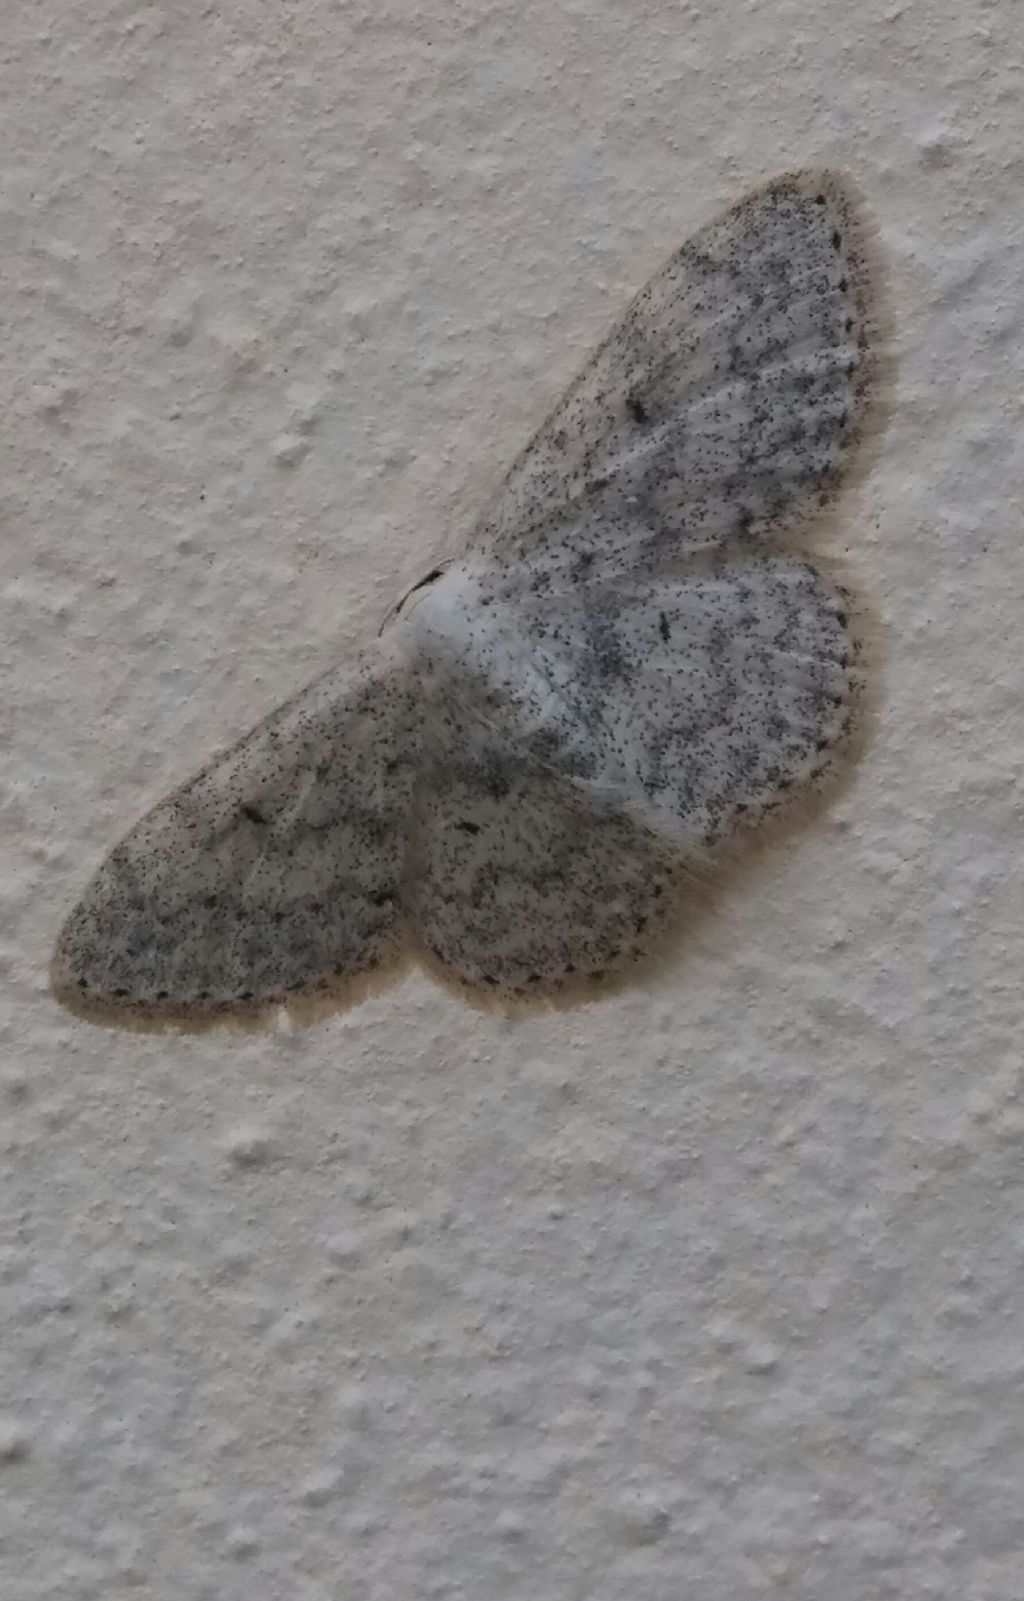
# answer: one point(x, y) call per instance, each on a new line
point(713, 1288)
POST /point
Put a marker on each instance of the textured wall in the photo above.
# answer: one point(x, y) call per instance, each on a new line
point(712, 1287)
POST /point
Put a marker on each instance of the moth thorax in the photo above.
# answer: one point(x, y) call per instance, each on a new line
point(455, 619)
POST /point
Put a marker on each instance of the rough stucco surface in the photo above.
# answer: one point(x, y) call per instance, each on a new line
point(712, 1288)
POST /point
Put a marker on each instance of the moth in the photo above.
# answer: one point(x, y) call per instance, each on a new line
point(630, 658)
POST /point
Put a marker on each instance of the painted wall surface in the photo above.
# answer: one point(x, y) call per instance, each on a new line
point(713, 1287)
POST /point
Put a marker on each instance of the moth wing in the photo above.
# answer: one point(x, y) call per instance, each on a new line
point(611, 737)
point(274, 872)
point(519, 880)
point(724, 404)
point(698, 700)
